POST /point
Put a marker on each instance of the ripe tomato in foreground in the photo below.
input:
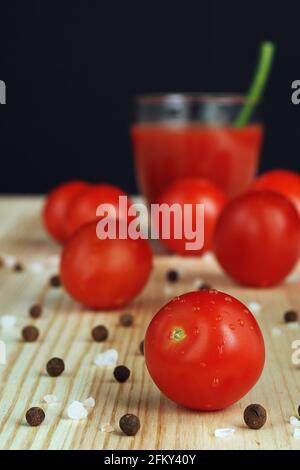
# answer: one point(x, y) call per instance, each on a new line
point(204, 350)
point(57, 204)
point(284, 182)
point(257, 238)
point(104, 274)
point(193, 191)
point(83, 208)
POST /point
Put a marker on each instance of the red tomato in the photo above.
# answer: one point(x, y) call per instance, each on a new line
point(104, 274)
point(193, 191)
point(83, 208)
point(57, 205)
point(284, 182)
point(204, 350)
point(257, 238)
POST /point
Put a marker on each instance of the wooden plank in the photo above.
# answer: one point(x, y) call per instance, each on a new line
point(65, 331)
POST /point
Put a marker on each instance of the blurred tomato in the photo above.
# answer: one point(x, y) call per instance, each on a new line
point(204, 350)
point(192, 191)
point(284, 182)
point(84, 207)
point(257, 238)
point(104, 274)
point(57, 204)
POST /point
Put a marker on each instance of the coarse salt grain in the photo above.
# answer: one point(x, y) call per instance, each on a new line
point(296, 433)
point(224, 432)
point(107, 358)
point(295, 422)
point(254, 307)
point(37, 267)
point(77, 411)
point(276, 331)
point(8, 321)
point(89, 403)
point(293, 325)
point(9, 260)
point(107, 427)
point(168, 290)
point(50, 399)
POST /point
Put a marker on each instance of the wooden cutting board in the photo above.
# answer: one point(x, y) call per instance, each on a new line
point(65, 332)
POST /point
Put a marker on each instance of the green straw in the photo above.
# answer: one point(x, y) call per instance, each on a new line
point(258, 84)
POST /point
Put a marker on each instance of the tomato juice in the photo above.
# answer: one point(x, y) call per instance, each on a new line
point(166, 152)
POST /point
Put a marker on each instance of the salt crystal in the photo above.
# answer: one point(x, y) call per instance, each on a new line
point(89, 403)
point(77, 411)
point(107, 358)
point(9, 260)
point(8, 321)
point(50, 399)
point(224, 432)
point(107, 427)
point(296, 433)
point(168, 290)
point(293, 325)
point(276, 331)
point(254, 307)
point(36, 267)
point(295, 422)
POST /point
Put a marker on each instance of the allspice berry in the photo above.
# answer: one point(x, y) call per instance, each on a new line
point(255, 416)
point(35, 311)
point(290, 316)
point(172, 275)
point(99, 333)
point(121, 373)
point(126, 319)
point(55, 367)
point(54, 281)
point(129, 424)
point(35, 416)
point(30, 334)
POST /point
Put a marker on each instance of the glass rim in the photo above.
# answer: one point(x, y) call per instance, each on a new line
point(217, 98)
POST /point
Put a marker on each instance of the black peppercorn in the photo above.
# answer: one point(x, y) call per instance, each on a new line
point(35, 311)
point(290, 316)
point(255, 416)
point(30, 334)
point(99, 333)
point(129, 424)
point(172, 275)
point(55, 367)
point(126, 319)
point(54, 281)
point(121, 373)
point(35, 416)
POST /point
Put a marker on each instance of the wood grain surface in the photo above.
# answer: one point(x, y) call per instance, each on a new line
point(65, 332)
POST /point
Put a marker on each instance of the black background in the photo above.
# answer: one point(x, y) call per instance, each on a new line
point(72, 67)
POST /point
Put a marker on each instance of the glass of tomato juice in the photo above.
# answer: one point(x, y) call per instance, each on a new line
point(194, 135)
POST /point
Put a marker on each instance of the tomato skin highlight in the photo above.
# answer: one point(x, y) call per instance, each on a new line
point(193, 191)
point(83, 209)
point(57, 205)
point(104, 274)
point(284, 182)
point(218, 355)
point(257, 238)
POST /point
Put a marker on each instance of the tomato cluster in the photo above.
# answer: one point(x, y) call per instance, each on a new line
point(204, 349)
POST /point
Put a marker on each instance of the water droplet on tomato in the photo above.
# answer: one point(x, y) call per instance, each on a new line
point(219, 318)
point(241, 322)
point(215, 382)
point(203, 364)
point(231, 326)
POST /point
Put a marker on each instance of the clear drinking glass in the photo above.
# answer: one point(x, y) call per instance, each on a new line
point(193, 135)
